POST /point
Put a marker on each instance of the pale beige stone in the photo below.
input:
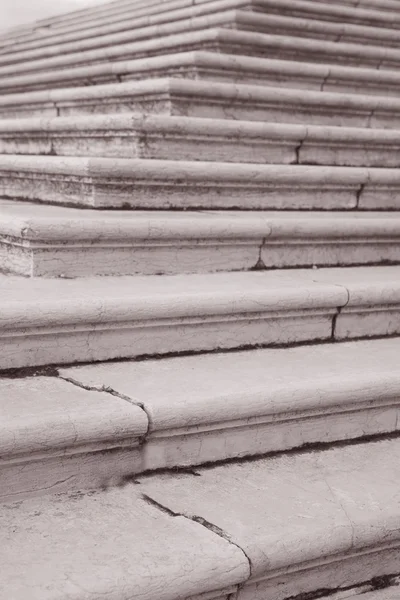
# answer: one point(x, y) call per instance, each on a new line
point(306, 522)
point(112, 545)
point(56, 436)
point(217, 407)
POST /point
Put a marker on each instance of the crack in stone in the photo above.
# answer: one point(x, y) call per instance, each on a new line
point(201, 521)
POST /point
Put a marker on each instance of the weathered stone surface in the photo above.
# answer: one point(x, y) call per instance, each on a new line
point(55, 436)
point(63, 321)
point(50, 241)
point(225, 40)
point(308, 522)
point(189, 138)
point(112, 545)
point(165, 184)
point(255, 402)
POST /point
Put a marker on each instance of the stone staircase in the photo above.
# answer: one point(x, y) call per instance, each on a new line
point(200, 302)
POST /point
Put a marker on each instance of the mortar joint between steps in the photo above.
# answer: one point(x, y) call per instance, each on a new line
point(376, 583)
point(204, 523)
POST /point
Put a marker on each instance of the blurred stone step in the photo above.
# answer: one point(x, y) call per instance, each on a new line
point(338, 528)
point(167, 184)
point(99, 425)
point(196, 139)
point(225, 41)
point(243, 20)
point(95, 319)
point(201, 66)
point(44, 241)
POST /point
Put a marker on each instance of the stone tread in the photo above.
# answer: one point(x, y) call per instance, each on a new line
point(128, 19)
point(191, 138)
point(113, 545)
point(95, 426)
point(338, 526)
point(303, 77)
point(225, 40)
point(96, 319)
point(40, 240)
point(279, 24)
point(98, 182)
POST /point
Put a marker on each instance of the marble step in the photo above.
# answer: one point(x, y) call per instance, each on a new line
point(337, 530)
point(188, 20)
point(368, 12)
point(98, 425)
point(200, 66)
point(223, 40)
point(196, 139)
point(166, 184)
point(201, 99)
point(132, 17)
point(95, 319)
point(51, 241)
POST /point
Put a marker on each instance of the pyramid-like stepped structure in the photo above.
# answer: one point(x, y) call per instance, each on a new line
point(200, 302)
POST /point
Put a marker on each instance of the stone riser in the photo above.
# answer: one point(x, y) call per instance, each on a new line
point(157, 184)
point(104, 434)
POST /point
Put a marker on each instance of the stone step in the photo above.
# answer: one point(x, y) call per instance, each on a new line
point(226, 41)
point(95, 426)
point(195, 139)
point(95, 319)
point(201, 99)
point(167, 184)
point(202, 16)
point(198, 65)
point(338, 528)
point(368, 12)
point(48, 241)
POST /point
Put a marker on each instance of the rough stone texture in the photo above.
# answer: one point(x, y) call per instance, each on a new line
point(112, 545)
point(189, 138)
point(54, 436)
point(325, 519)
point(256, 402)
point(166, 184)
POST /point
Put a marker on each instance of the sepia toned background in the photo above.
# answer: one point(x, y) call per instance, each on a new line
point(17, 12)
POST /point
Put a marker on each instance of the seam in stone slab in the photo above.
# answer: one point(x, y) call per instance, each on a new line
point(204, 523)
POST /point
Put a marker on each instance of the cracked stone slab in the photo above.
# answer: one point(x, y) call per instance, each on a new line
point(56, 436)
point(165, 184)
point(191, 138)
point(210, 408)
point(51, 241)
point(307, 522)
point(64, 321)
point(113, 545)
